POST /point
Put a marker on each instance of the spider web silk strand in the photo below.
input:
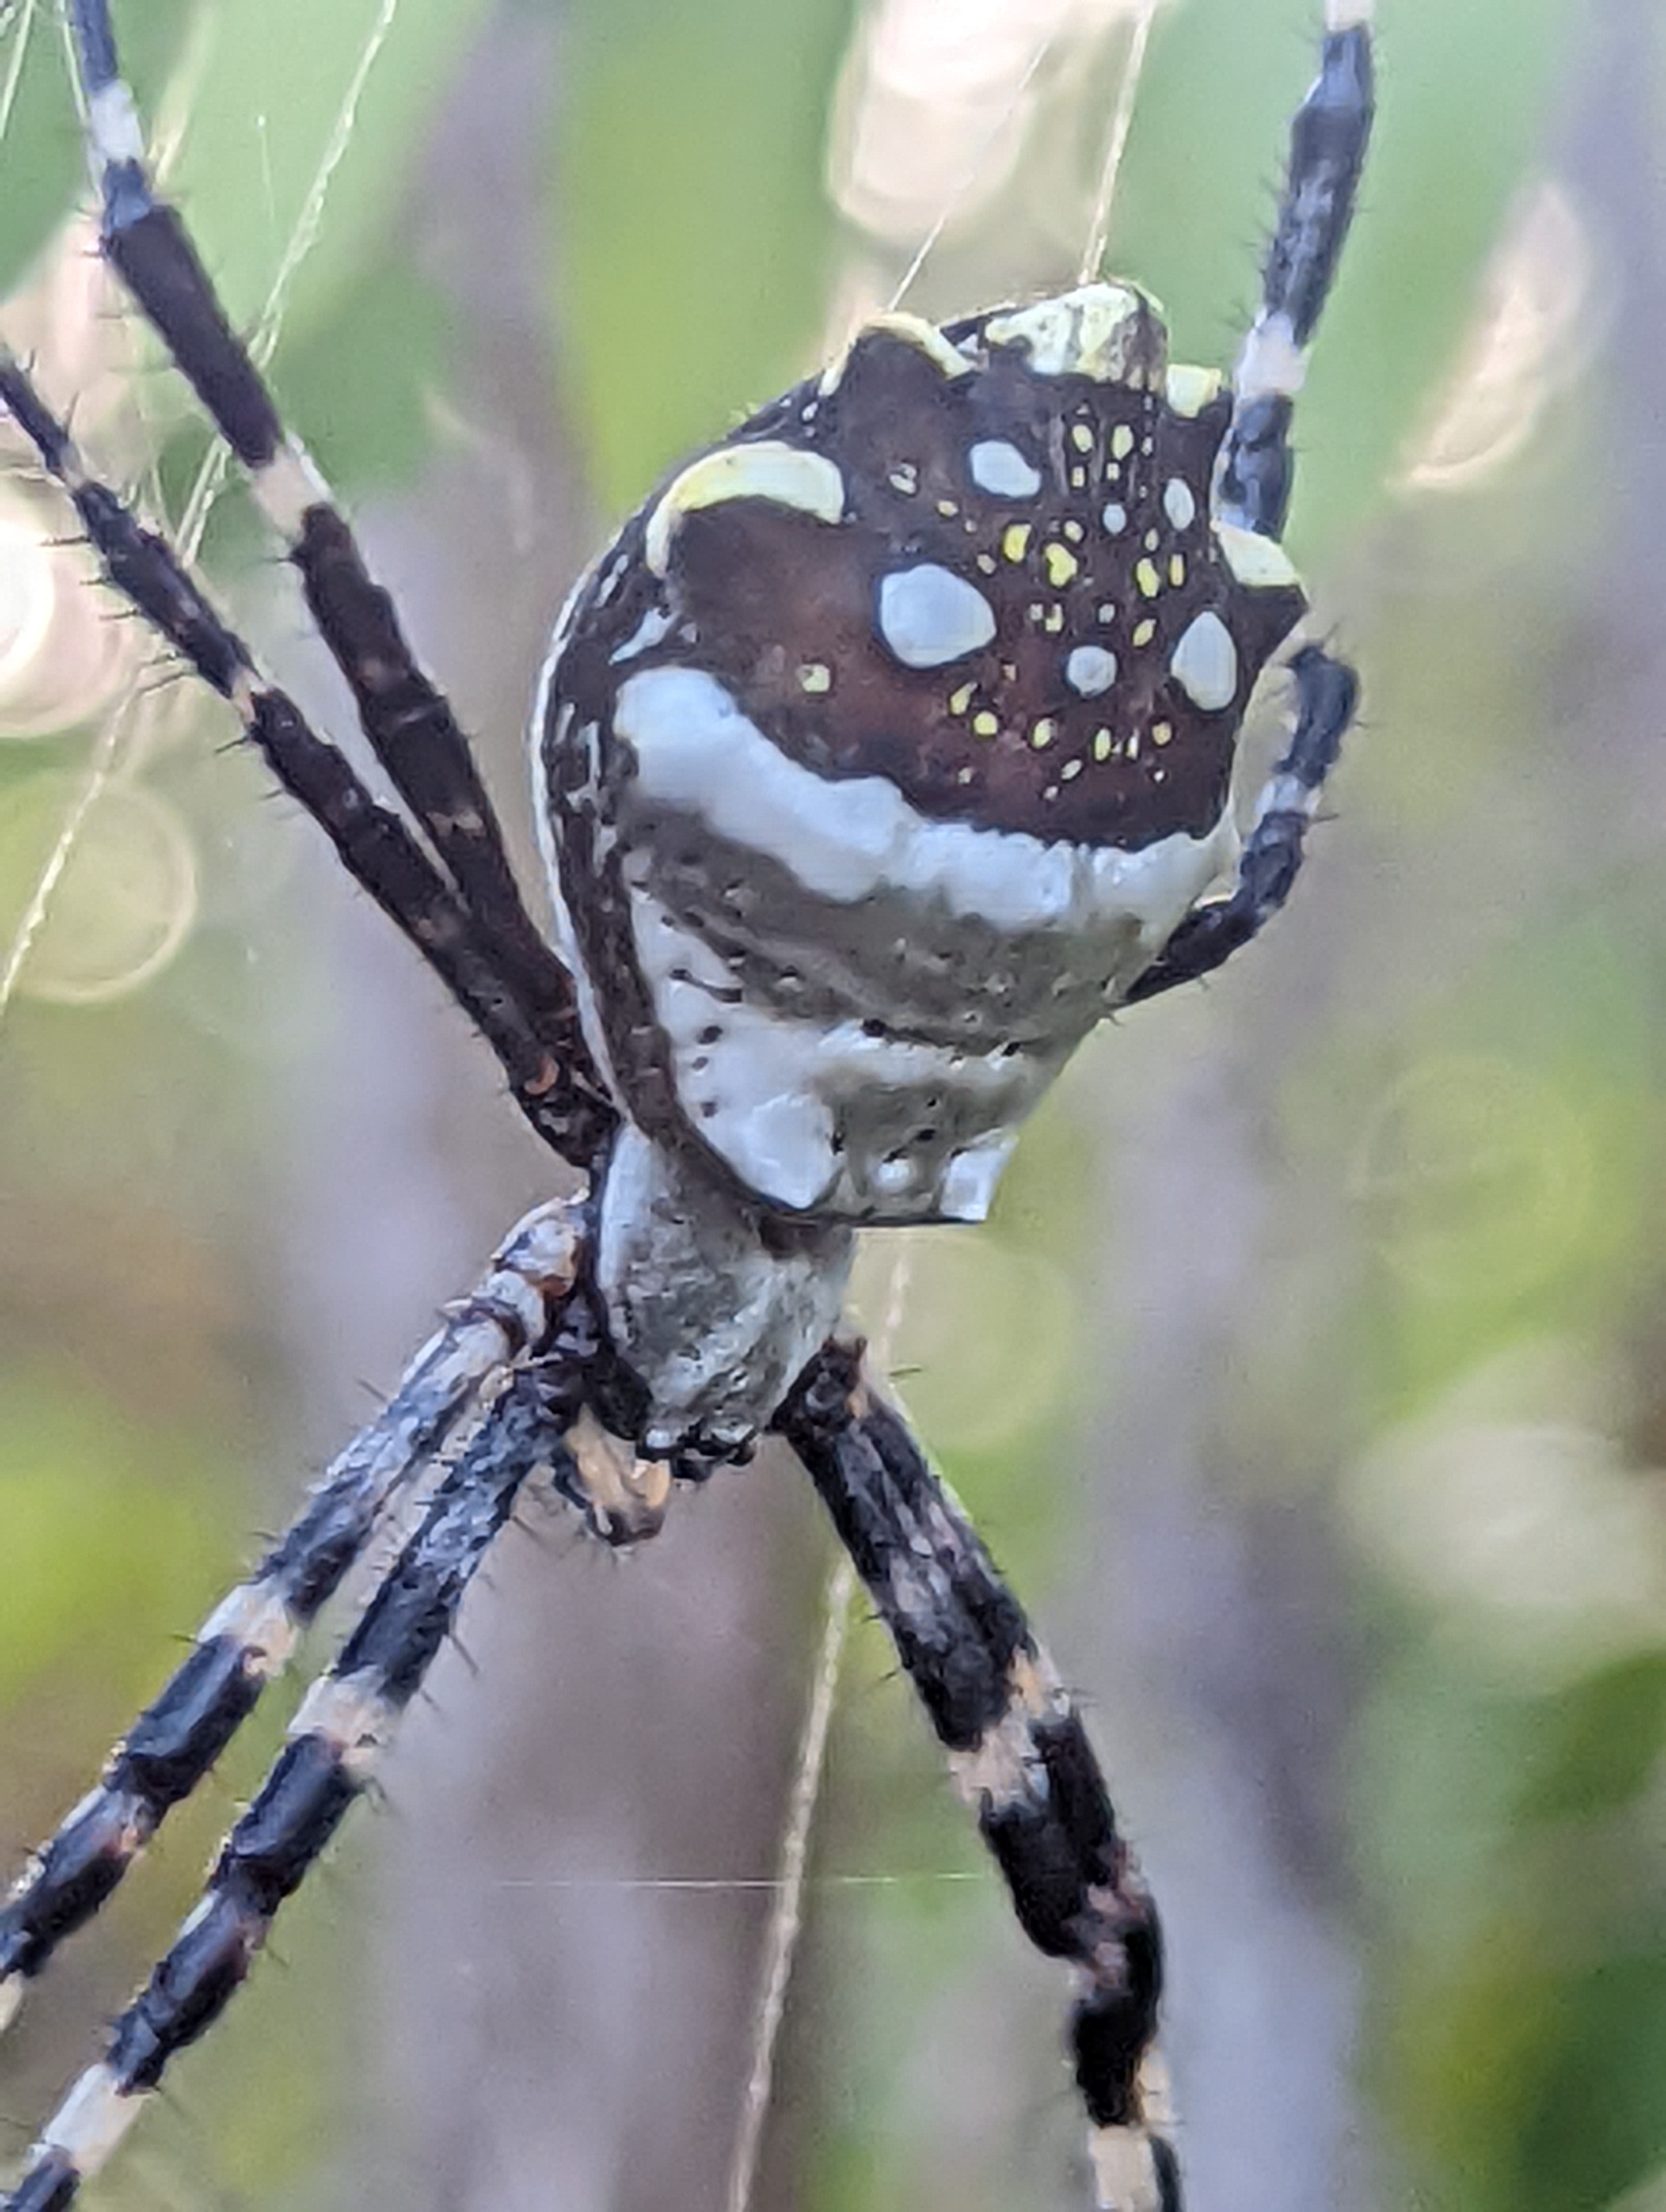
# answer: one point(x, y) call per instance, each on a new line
point(101, 763)
point(205, 489)
point(786, 1909)
point(969, 175)
point(24, 27)
point(1115, 146)
point(1121, 122)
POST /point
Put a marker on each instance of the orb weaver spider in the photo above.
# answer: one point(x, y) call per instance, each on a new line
point(885, 751)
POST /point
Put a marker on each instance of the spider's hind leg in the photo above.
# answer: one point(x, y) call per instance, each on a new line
point(1018, 1753)
point(249, 1638)
point(1328, 139)
point(336, 1745)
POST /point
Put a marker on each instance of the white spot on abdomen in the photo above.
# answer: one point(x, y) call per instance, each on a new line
point(929, 617)
point(1258, 562)
point(1205, 662)
point(1189, 389)
point(1089, 670)
point(998, 467)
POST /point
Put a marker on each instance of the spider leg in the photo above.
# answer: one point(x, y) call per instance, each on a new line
point(1326, 690)
point(558, 1095)
point(1328, 140)
point(1018, 1751)
point(336, 1742)
point(409, 722)
point(248, 1639)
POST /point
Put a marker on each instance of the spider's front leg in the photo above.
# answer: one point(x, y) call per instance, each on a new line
point(441, 874)
point(1019, 1752)
point(1252, 485)
point(1326, 690)
point(1250, 495)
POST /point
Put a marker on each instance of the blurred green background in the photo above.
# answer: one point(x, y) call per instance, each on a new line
point(1311, 1378)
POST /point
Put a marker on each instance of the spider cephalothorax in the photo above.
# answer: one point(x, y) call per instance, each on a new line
point(889, 747)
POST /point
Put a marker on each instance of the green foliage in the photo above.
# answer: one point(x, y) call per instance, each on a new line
point(268, 92)
point(688, 231)
point(108, 1528)
point(43, 145)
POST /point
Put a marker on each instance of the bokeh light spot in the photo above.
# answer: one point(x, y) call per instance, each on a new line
point(125, 898)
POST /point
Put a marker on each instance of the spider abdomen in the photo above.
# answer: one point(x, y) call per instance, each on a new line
point(893, 739)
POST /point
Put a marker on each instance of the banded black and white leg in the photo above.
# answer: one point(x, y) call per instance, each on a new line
point(335, 1745)
point(1329, 137)
point(1326, 690)
point(1253, 480)
point(407, 719)
point(1018, 1753)
point(249, 1638)
point(1016, 1744)
point(549, 1075)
